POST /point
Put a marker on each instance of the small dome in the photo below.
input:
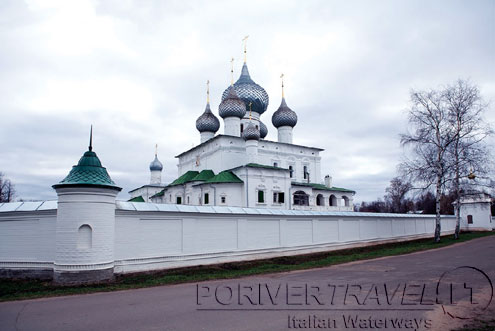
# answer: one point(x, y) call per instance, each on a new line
point(207, 122)
point(251, 133)
point(263, 130)
point(249, 92)
point(231, 105)
point(156, 165)
point(284, 116)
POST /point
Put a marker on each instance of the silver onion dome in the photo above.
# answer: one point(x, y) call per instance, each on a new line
point(156, 165)
point(231, 105)
point(207, 122)
point(249, 92)
point(284, 116)
point(263, 130)
point(251, 132)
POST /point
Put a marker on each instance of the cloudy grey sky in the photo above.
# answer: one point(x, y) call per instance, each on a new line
point(137, 70)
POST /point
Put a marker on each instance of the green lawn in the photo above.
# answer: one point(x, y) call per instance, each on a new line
point(28, 289)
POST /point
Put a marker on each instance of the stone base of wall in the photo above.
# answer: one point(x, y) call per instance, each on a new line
point(83, 276)
point(41, 274)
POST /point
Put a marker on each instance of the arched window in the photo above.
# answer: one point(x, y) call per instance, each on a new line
point(291, 171)
point(301, 199)
point(242, 128)
point(84, 237)
point(305, 172)
point(319, 200)
point(333, 200)
point(346, 201)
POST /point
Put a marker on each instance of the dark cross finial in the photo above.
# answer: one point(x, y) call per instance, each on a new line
point(156, 150)
point(282, 78)
point(232, 72)
point(91, 138)
point(208, 91)
point(245, 48)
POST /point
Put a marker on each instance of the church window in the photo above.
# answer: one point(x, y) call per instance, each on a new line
point(278, 197)
point(242, 128)
point(207, 198)
point(261, 196)
point(257, 127)
point(223, 199)
point(275, 164)
point(291, 171)
point(301, 198)
point(346, 201)
point(178, 200)
point(333, 200)
point(187, 200)
point(470, 219)
point(319, 200)
point(305, 172)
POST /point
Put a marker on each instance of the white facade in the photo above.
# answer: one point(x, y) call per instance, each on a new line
point(475, 212)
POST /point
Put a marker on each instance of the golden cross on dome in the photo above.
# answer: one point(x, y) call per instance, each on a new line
point(282, 78)
point(208, 91)
point(232, 72)
point(245, 47)
point(250, 110)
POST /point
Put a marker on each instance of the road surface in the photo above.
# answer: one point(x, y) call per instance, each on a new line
point(389, 293)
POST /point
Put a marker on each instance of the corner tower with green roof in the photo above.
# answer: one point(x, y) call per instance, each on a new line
point(85, 224)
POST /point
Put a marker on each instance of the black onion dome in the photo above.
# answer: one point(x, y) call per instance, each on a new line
point(263, 130)
point(251, 133)
point(207, 122)
point(284, 116)
point(250, 92)
point(156, 164)
point(231, 105)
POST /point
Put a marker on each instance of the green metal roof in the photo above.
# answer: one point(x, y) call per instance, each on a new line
point(203, 175)
point(159, 194)
point(137, 199)
point(88, 172)
point(256, 165)
point(323, 187)
point(224, 177)
point(187, 177)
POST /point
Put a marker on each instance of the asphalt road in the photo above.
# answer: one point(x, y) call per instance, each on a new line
point(430, 290)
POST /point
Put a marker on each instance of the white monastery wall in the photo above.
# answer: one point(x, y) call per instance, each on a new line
point(149, 240)
point(157, 236)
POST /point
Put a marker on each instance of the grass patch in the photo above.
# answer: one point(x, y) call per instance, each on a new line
point(29, 289)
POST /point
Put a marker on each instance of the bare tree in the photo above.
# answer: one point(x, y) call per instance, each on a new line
point(468, 153)
point(430, 138)
point(396, 193)
point(7, 191)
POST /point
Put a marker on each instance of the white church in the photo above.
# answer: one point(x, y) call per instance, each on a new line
point(239, 168)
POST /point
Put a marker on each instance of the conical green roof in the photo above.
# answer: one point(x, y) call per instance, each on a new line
point(88, 172)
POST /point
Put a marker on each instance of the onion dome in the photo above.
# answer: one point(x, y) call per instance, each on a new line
point(251, 133)
point(263, 130)
point(231, 105)
point(88, 172)
point(207, 122)
point(156, 164)
point(284, 116)
point(249, 92)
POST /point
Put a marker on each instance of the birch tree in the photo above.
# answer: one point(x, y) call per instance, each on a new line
point(429, 138)
point(467, 153)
